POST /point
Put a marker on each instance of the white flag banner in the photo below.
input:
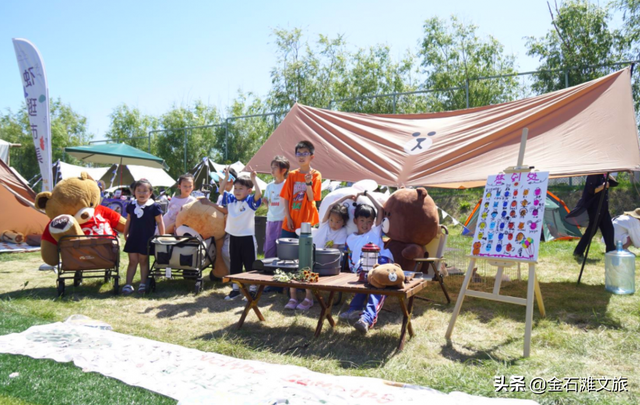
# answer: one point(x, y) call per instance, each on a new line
point(36, 94)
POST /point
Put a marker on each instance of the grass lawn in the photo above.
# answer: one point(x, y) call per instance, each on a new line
point(588, 332)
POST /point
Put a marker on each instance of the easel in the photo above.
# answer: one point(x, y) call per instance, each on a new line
point(533, 287)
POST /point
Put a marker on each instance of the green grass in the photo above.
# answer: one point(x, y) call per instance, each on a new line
point(587, 332)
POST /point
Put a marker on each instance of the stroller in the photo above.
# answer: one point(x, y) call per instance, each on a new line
point(88, 256)
point(180, 256)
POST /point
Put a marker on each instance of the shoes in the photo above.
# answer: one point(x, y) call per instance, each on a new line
point(127, 289)
point(362, 326)
point(253, 295)
point(350, 315)
point(578, 257)
point(232, 295)
point(292, 304)
point(142, 288)
point(305, 305)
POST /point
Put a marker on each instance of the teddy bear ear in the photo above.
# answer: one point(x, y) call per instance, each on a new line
point(397, 265)
point(42, 198)
point(375, 265)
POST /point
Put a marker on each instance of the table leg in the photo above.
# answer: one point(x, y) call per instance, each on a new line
point(406, 321)
point(251, 304)
point(325, 312)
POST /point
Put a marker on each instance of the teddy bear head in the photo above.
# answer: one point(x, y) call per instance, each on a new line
point(386, 275)
point(205, 219)
point(411, 216)
point(75, 196)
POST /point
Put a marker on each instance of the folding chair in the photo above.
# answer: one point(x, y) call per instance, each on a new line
point(433, 257)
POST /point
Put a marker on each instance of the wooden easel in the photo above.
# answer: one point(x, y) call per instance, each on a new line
point(533, 287)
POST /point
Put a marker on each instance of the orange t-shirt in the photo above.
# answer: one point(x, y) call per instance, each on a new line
point(295, 192)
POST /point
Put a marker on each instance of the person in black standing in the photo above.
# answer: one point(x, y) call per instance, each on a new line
point(588, 204)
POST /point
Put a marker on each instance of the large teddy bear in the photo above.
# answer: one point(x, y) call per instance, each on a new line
point(202, 218)
point(73, 208)
point(411, 222)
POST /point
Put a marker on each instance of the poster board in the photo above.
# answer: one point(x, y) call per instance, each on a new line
point(511, 216)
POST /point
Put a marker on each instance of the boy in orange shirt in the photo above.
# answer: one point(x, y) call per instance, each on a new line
point(301, 191)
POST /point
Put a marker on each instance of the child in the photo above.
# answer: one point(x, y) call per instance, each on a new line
point(241, 207)
point(275, 214)
point(367, 232)
point(142, 216)
point(185, 185)
point(332, 233)
point(300, 193)
point(228, 186)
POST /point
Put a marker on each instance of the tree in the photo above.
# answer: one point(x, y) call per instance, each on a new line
point(68, 128)
point(454, 57)
point(244, 136)
point(183, 148)
point(577, 48)
point(130, 126)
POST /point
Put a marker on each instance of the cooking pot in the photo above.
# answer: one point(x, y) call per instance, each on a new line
point(327, 262)
point(287, 248)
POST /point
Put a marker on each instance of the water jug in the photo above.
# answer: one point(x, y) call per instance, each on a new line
point(305, 247)
point(620, 271)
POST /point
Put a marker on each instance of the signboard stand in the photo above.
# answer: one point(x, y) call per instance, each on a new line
point(502, 262)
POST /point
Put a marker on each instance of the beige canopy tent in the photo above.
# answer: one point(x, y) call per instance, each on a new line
point(17, 212)
point(585, 129)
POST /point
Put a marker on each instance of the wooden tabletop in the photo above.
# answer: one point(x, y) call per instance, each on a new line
point(343, 282)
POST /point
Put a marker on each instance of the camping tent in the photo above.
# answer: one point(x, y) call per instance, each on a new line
point(555, 225)
point(17, 211)
point(130, 173)
point(207, 173)
point(62, 170)
point(586, 129)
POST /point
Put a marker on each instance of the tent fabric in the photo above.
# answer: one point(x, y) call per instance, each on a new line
point(207, 171)
point(130, 173)
point(115, 153)
point(62, 170)
point(555, 225)
point(17, 212)
point(585, 129)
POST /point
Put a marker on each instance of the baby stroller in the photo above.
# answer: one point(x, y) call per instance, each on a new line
point(180, 256)
point(88, 256)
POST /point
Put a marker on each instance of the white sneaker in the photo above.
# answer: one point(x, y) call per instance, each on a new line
point(349, 315)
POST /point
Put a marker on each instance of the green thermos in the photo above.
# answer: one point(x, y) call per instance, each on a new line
point(305, 247)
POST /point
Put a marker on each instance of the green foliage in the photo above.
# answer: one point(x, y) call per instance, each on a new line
point(453, 55)
point(580, 37)
point(68, 128)
point(245, 135)
point(465, 206)
point(130, 126)
point(199, 142)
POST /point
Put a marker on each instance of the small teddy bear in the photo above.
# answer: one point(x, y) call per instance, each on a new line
point(386, 275)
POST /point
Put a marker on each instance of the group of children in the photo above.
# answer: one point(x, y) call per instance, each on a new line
point(291, 199)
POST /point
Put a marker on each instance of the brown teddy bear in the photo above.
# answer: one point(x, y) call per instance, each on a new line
point(410, 223)
point(386, 275)
point(73, 208)
point(203, 217)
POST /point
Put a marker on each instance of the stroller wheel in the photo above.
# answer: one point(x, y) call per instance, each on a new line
point(77, 279)
point(60, 288)
point(152, 284)
point(107, 276)
point(116, 285)
point(198, 286)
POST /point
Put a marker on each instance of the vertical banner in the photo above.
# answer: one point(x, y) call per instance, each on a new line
point(36, 94)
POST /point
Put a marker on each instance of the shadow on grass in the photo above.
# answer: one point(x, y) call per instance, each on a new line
point(584, 306)
point(477, 358)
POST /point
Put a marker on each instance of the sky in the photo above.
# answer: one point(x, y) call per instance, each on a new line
point(154, 55)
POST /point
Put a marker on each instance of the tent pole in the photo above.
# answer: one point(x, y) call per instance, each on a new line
point(595, 228)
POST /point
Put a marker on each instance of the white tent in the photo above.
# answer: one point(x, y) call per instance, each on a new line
point(62, 170)
point(131, 173)
point(207, 172)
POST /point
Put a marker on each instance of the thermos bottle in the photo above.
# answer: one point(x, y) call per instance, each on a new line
point(305, 247)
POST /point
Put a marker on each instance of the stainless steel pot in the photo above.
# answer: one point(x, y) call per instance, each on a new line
point(287, 248)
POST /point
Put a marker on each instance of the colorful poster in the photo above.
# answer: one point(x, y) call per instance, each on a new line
point(36, 95)
point(511, 215)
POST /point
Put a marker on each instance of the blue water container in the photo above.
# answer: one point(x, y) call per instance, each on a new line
point(620, 271)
